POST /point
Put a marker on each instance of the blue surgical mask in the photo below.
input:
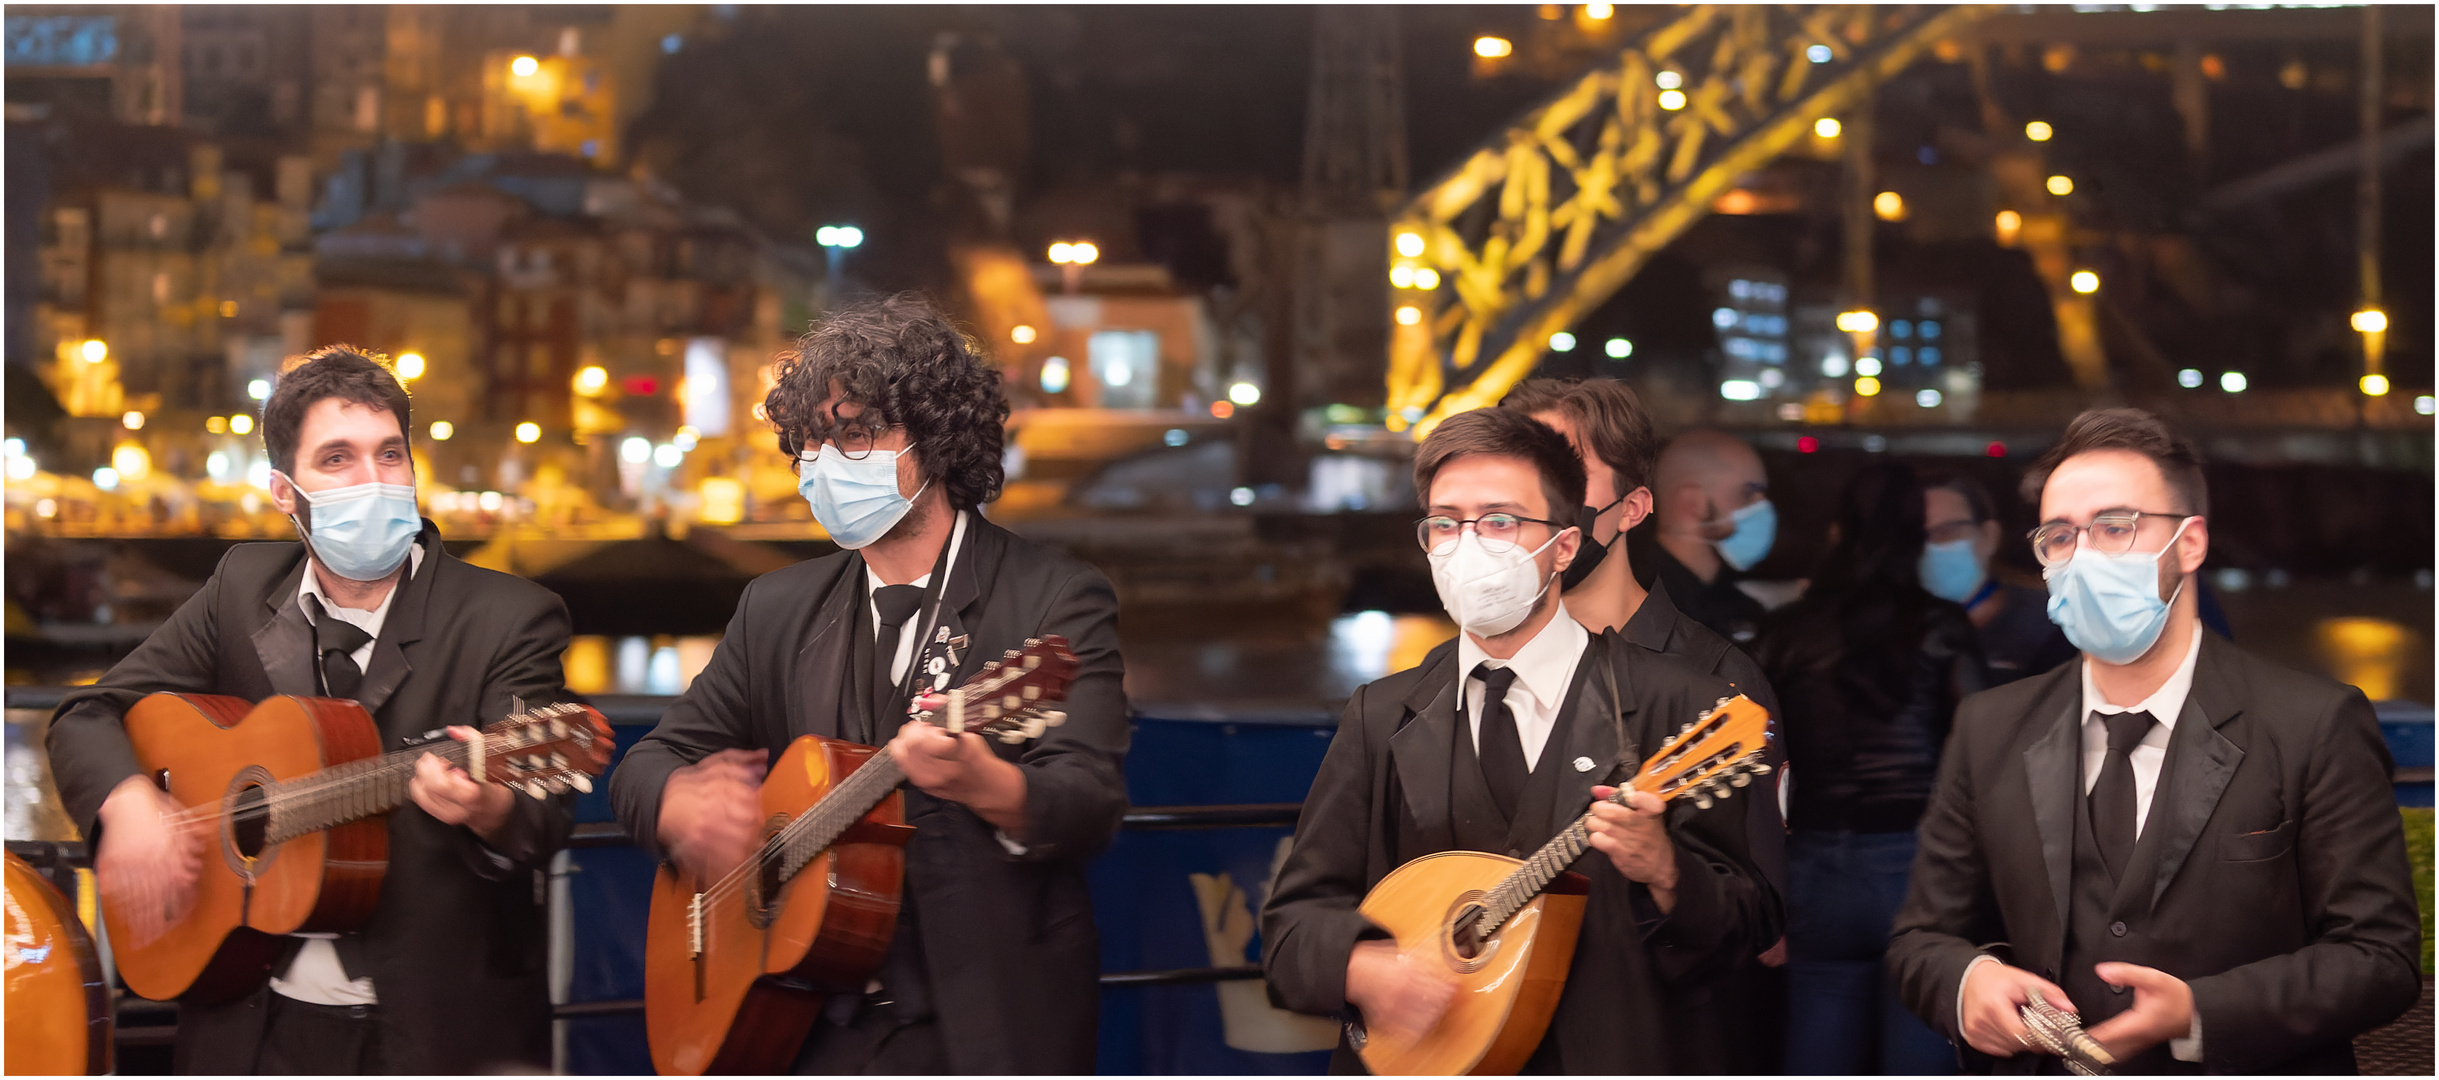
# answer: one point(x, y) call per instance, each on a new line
point(857, 502)
point(1952, 571)
point(1756, 530)
point(2110, 605)
point(361, 532)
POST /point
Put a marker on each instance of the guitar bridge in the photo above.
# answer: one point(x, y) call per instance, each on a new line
point(694, 927)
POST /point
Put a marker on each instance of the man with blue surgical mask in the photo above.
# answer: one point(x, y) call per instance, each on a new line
point(448, 976)
point(2192, 848)
point(1961, 535)
point(894, 424)
point(1712, 520)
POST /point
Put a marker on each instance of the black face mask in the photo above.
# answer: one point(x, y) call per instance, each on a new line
point(1588, 555)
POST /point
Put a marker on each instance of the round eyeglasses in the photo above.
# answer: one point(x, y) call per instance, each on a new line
point(1499, 532)
point(2112, 533)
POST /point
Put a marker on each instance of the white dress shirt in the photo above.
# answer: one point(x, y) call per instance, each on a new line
point(1544, 667)
point(2148, 756)
point(316, 976)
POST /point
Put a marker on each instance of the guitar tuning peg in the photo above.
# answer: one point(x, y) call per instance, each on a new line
point(1761, 768)
point(1718, 703)
point(555, 784)
point(1053, 718)
point(1740, 779)
point(1702, 802)
point(580, 782)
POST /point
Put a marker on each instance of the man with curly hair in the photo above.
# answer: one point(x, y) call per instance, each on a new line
point(894, 426)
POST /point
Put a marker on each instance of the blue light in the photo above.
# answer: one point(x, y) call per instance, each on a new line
point(1930, 330)
point(672, 43)
point(1818, 54)
point(1901, 329)
point(1929, 356)
point(1723, 318)
point(1901, 355)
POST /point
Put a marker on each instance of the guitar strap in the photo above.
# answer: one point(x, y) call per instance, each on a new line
point(927, 668)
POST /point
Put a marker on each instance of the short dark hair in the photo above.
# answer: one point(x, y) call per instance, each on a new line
point(1505, 433)
point(2135, 431)
point(345, 372)
point(903, 363)
point(1614, 426)
point(1977, 498)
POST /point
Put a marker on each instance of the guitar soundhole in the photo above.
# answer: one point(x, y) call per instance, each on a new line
point(764, 877)
point(249, 821)
point(1464, 947)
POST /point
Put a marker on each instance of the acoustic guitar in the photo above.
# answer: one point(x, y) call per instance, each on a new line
point(735, 970)
point(1505, 930)
point(291, 795)
point(58, 1006)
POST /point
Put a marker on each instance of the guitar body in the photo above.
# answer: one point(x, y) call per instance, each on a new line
point(770, 952)
point(58, 1006)
point(210, 750)
point(1505, 993)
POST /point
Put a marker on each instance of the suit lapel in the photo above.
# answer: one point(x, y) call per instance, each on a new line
point(284, 642)
point(823, 686)
point(2050, 768)
point(1590, 733)
point(2200, 763)
point(1419, 751)
point(404, 625)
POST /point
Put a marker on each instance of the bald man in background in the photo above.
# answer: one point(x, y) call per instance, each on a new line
point(1711, 520)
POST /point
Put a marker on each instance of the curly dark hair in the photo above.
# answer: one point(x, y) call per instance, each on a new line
point(359, 376)
point(901, 360)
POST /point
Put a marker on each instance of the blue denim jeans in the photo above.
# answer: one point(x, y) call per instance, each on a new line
point(1843, 1015)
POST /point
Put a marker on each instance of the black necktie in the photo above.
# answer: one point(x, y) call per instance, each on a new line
point(1499, 748)
point(896, 604)
point(2112, 799)
point(337, 641)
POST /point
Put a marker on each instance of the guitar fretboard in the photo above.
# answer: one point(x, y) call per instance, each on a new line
point(350, 791)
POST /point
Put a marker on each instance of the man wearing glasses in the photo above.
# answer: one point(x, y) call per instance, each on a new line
point(1496, 742)
point(895, 427)
point(2194, 849)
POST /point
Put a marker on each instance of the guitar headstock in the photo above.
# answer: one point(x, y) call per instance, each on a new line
point(1711, 756)
point(1009, 698)
point(543, 750)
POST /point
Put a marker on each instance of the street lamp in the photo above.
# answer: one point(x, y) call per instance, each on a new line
point(1072, 258)
point(835, 241)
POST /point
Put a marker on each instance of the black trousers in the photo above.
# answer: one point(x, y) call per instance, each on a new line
point(874, 1042)
point(304, 1039)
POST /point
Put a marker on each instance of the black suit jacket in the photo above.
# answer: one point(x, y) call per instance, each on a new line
point(457, 943)
point(1007, 939)
point(1381, 800)
point(2282, 887)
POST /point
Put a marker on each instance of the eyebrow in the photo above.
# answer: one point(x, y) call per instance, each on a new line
point(2104, 511)
point(1494, 508)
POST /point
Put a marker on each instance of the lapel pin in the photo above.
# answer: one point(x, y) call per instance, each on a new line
point(1583, 764)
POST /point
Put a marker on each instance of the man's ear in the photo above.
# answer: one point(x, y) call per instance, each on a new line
point(2194, 546)
point(283, 494)
point(1638, 507)
point(1569, 542)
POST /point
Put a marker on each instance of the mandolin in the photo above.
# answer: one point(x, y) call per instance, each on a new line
point(735, 970)
point(1505, 930)
point(291, 794)
point(58, 1006)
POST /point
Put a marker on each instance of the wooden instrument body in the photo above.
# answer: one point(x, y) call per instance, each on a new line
point(58, 1006)
point(212, 750)
point(1505, 994)
point(770, 950)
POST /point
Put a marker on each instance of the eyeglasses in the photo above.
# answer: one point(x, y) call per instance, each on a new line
point(2110, 534)
point(854, 440)
point(1498, 531)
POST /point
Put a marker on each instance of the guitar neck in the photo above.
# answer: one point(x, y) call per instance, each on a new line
point(847, 803)
point(350, 791)
point(1526, 882)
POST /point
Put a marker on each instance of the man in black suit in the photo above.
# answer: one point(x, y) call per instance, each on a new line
point(2196, 850)
point(448, 976)
point(1495, 743)
point(1606, 423)
point(895, 425)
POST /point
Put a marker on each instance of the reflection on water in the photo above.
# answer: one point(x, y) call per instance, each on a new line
point(1368, 645)
point(635, 664)
point(1180, 666)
